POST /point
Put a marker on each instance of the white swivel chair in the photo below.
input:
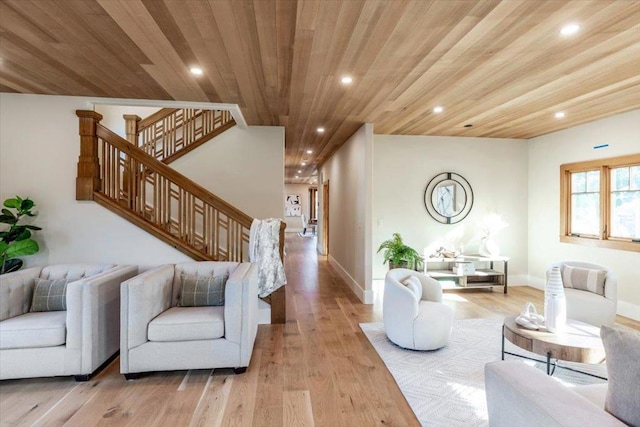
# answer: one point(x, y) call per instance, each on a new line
point(75, 341)
point(413, 313)
point(586, 306)
point(160, 335)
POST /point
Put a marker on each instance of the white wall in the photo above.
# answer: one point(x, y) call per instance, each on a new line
point(546, 154)
point(245, 167)
point(349, 174)
point(496, 170)
point(294, 223)
point(112, 116)
point(40, 162)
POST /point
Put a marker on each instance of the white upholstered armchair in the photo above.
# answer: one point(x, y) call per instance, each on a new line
point(412, 310)
point(159, 334)
point(588, 305)
point(75, 341)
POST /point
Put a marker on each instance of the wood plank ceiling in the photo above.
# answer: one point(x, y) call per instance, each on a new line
point(501, 66)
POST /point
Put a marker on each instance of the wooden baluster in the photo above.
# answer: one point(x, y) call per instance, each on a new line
point(88, 179)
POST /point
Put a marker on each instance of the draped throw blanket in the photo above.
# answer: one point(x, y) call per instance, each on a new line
point(264, 250)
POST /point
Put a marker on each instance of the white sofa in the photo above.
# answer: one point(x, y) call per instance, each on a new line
point(587, 306)
point(418, 321)
point(519, 395)
point(158, 335)
point(58, 343)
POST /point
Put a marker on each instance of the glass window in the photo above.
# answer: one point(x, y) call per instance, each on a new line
point(600, 203)
point(585, 203)
point(625, 202)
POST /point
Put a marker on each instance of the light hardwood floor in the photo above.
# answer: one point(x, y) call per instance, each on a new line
point(318, 369)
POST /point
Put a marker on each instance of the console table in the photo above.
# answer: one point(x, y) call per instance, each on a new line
point(484, 276)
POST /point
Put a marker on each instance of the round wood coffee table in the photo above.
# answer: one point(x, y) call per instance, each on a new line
point(579, 342)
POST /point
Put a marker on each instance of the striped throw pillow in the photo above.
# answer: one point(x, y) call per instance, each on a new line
point(585, 279)
point(50, 295)
point(200, 291)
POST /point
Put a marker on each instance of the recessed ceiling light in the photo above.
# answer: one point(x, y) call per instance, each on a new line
point(304, 163)
point(569, 29)
point(320, 130)
point(195, 70)
point(346, 80)
point(309, 151)
point(299, 171)
point(438, 109)
point(297, 176)
point(559, 115)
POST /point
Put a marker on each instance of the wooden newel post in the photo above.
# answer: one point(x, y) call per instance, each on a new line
point(130, 177)
point(279, 297)
point(131, 127)
point(88, 179)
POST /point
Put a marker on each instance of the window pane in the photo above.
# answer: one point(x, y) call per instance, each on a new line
point(579, 182)
point(620, 179)
point(585, 213)
point(593, 181)
point(635, 177)
point(625, 214)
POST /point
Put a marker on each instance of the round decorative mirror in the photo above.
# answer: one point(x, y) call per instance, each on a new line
point(448, 198)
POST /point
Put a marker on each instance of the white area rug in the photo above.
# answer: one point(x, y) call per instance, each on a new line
point(446, 387)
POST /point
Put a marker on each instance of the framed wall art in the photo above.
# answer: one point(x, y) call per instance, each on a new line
point(292, 205)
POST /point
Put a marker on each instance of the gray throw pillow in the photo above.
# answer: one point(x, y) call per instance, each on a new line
point(585, 279)
point(199, 291)
point(622, 348)
point(50, 295)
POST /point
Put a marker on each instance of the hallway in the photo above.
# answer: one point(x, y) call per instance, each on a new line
point(329, 373)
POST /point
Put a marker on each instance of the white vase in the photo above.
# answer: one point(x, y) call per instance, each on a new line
point(488, 247)
point(555, 303)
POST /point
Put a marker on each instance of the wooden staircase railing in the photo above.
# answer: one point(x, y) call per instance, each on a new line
point(145, 191)
point(170, 133)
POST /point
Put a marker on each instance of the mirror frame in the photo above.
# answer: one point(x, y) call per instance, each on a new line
point(428, 197)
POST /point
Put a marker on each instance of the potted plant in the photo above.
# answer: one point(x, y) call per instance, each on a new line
point(16, 241)
point(397, 254)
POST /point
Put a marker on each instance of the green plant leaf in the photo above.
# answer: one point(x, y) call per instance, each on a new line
point(11, 265)
point(22, 248)
point(26, 204)
point(32, 227)
point(13, 203)
point(6, 219)
point(24, 235)
point(7, 212)
point(3, 247)
point(13, 233)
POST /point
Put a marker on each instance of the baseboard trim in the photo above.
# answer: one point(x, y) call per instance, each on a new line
point(365, 296)
point(626, 309)
point(518, 280)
